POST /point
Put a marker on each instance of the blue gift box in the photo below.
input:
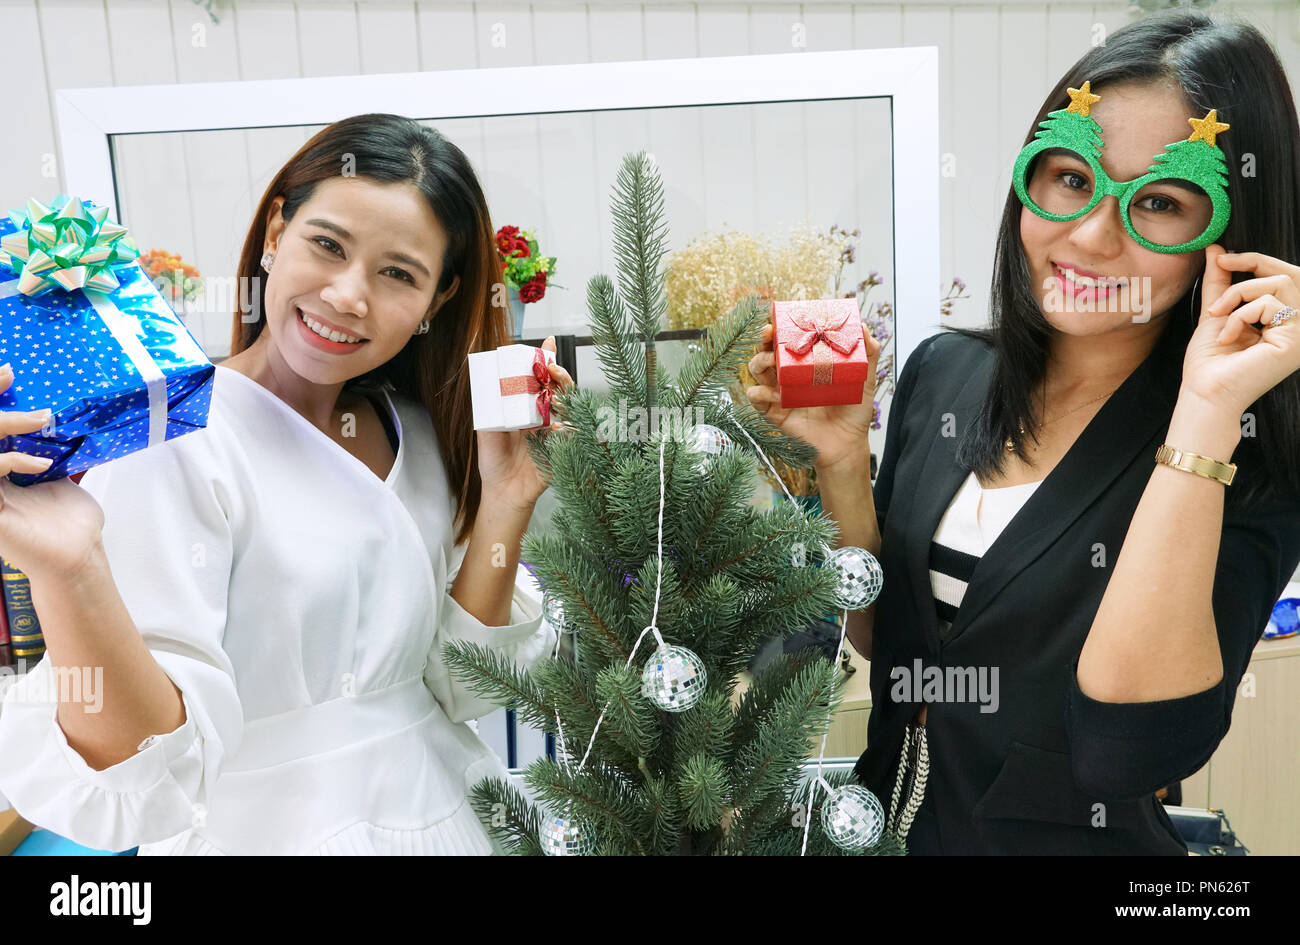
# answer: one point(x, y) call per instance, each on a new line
point(118, 369)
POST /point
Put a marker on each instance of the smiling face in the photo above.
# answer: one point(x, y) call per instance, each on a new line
point(361, 259)
point(1137, 122)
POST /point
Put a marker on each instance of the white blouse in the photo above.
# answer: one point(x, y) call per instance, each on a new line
point(972, 522)
point(300, 605)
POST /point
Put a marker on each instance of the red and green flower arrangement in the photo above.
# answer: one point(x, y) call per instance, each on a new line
point(522, 264)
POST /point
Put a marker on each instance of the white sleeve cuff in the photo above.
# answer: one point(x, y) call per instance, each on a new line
point(142, 799)
point(525, 640)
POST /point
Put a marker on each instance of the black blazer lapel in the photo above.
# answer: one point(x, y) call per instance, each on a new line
point(939, 481)
point(1126, 422)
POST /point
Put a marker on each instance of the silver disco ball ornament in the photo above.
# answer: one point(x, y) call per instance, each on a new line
point(859, 574)
point(561, 836)
point(553, 613)
point(853, 818)
point(707, 439)
point(673, 679)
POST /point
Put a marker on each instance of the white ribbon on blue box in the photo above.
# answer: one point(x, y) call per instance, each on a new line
point(118, 370)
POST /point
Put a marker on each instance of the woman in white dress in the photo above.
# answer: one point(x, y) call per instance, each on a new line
point(268, 597)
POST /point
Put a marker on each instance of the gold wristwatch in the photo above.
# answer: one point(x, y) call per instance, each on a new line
point(1196, 463)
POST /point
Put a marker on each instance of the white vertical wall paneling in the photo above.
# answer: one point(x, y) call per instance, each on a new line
point(780, 145)
point(271, 39)
point(932, 26)
point(447, 35)
point(143, 54)
point(29, 124)
point(676, 133)
point(729, 162)
point(1024, 82)
point(875, 27)
point(1286, 38)
point(68, 63)
point(615, 36)
point(267, 40)
point(327, 39)
point(443, 30)
point(152, 177)
point(1068, 37)
point(566, 169)
point(831, 172)
point(512, 172)
point(220, 198)
point(973, 203)
point(387, 37)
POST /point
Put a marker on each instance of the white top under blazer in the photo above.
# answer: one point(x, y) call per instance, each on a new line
point(973, 521)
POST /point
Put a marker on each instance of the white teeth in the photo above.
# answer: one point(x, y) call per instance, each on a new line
point(327, 333)
point(1087, 282)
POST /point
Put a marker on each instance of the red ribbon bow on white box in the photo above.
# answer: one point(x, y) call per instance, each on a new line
point(539, 382)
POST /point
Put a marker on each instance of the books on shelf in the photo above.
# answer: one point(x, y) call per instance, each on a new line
point(21, 642)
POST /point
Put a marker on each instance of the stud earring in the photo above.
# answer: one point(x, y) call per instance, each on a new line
point(267, 259)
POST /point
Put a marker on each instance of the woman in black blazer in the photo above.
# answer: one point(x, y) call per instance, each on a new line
point(1115, 614)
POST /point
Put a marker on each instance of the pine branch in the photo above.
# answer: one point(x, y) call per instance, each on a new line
point(598, 798)
point(731, 417)
point(507, 816)
point(665, 816)
point(632, 720)
point(727, 346)
point(490, 675)
point(617, 348)
point(706, 729)
point(718, 512)
point(752, 557)
point(770, 762)
point(760, 698)
point(591, 598)
point(640, 235)
point(704, 788)
point(579, 707)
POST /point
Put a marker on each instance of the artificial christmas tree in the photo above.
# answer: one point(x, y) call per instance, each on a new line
point(669, 578)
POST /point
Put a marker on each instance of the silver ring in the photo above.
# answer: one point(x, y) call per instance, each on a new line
point(1284, 314)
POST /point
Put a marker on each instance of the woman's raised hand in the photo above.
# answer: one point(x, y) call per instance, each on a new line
point(50, 528)
point(837, 433)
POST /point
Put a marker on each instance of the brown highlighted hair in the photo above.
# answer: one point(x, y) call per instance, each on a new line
point(432, 368)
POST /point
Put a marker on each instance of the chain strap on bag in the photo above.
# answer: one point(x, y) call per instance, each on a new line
point(913, 772)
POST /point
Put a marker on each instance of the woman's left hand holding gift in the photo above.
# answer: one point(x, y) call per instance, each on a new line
point(49, 528)
point(505, 466)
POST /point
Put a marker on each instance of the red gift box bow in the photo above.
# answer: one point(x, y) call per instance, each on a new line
point(539, 382)
point(825, 330)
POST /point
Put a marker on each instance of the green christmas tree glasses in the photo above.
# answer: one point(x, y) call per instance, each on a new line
point(1180, 205)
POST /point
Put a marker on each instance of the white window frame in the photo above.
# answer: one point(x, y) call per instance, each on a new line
point(908, 77)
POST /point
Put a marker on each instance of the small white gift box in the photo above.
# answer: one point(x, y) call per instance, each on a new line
point(508, 387)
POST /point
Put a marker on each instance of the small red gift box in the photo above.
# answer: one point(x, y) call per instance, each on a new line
point(821, 358)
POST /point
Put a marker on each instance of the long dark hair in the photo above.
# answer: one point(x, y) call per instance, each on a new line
point(1218, 62)
point(431, 368)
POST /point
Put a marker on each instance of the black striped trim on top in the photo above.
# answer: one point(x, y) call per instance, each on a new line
point(955, 564)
